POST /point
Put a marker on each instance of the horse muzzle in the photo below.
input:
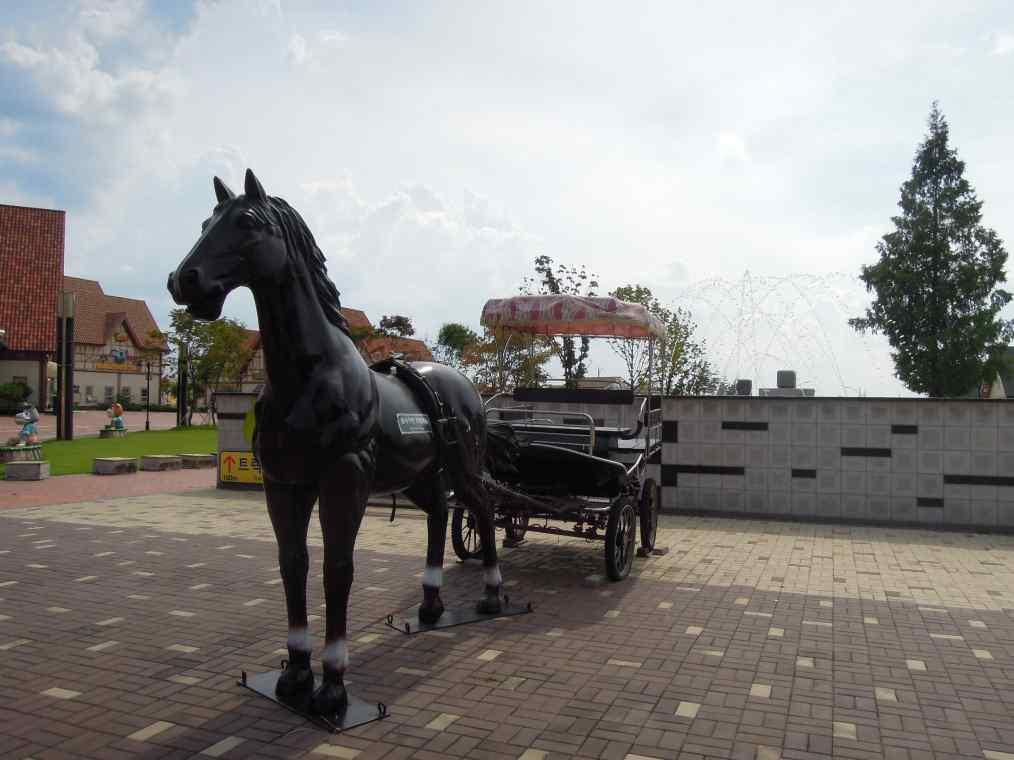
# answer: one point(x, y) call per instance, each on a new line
point(203, 300)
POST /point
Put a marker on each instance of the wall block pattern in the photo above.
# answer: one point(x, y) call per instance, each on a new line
point(904, 461)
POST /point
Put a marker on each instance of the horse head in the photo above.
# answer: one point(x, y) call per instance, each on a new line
point(240, 244)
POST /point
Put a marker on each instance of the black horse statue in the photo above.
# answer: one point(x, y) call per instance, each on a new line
point(329, 427)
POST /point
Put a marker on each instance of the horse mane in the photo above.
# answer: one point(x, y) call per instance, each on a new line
point(299, 241)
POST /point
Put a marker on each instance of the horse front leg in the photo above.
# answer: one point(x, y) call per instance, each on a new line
point(289, 508)
point(344, 492)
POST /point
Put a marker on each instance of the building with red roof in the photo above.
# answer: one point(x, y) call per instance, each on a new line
point(118, 348)
point(31, 275)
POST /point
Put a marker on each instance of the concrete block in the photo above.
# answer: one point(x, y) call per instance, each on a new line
point(829, 434)
point(853, 413)
point(114, 465)
point(27, 470)
point(878, 508)
point(733, 500)
point(688, 498)
point(984, 513)
point(709, 431)
point(903, 509)
point(957, 462)
point(779, 456)
point(734, 456)
point(904, 413)
point(670, 453)
point(878, 413)
point(778, 410)
point(779, 479)
point(756, 411)
point(756, 479)
point(803, 485)
point(931, 486)
point(732, 482)
point(828, 481)
point(711, 455)
point(804, 504)
point(686, 409)
point(853, 436)
point(957, 438)
point(20, 453)
point(984, 463)
point(930, 462)
point(853, 505)
point(804, 410)
point(757, 456)
point(107, 433)
point(758, 502)
point(903, 484)
point(804, 434)
point(930, 413)
point(878, 464)
point(853, 482)
point(930, 515)
point(930, 438)
point(689, 431)
point(829, 411)
point(878, 483)
point(711, 409)
point(1004, 414)
point(829, 457)
point(159, 462)
point(903, 460)
point(1005, 514)
point(736, 436)
point(1005, 463)
point(779, 502)
point(733, 409)
point(710, 480)
point(878, 436)
point(1005, 438)
point(710, 499)
point(668, 498)
point(829, 505)
point(778, 432)
point(957, 511)
point(984, 438)
point(958, 413)
point(803, 457)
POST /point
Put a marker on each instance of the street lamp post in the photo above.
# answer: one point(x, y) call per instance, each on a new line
point(147, 394)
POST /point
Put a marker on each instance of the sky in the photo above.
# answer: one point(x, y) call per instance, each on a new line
point(740, 159)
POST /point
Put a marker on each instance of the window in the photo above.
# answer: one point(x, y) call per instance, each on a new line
point(89, 391)
point(144, 394)
point(20, 379)
point(109, 393)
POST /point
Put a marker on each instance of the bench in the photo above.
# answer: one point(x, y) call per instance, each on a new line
point(27, 470)
point(114, 465)
point(27, 453)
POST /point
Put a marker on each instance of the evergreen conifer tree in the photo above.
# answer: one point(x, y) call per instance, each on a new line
point(936, 284)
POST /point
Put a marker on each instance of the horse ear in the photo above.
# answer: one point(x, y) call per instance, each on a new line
point(222, 192)
point(253, 187)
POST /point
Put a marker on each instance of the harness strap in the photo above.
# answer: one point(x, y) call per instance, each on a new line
point(441, 421)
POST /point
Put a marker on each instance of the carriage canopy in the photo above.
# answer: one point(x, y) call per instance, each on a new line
point(590, 316)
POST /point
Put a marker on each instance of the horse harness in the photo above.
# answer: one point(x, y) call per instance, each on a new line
point(442, 424)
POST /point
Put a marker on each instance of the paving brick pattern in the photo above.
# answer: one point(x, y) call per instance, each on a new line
point(124, 625)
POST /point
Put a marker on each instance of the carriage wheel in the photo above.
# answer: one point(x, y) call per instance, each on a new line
point(517, 526)
point(621, 531)
point(649, 514)
point(465, 535)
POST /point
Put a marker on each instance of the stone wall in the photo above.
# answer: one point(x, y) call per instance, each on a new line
point(905, 461)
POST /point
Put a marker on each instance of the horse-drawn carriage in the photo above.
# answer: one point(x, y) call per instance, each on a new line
point(561, 471)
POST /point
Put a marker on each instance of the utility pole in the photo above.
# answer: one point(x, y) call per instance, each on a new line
point(65, 367)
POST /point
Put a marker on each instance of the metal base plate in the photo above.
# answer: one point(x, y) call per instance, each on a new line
point(356, 713)
point(408, 622)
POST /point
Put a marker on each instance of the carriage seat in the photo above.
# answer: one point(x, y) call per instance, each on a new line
point(563, 471)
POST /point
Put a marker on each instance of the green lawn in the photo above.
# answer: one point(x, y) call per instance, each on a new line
point(71, 457)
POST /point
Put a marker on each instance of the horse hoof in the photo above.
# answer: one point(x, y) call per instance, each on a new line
point(294, 682)
point(489, 606)
point(330, 699)
point(430, 614)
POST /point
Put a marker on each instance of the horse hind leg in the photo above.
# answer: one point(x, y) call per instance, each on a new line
point(474, 495)
point(289, 508)
point(343, 496)
point(431, 497)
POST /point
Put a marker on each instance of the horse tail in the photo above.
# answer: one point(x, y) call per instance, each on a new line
point(467, 461)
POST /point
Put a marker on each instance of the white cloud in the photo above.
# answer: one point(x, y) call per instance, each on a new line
point(108, 19)
point(297, 51)
point(9, 127)
point(731, 147)
point(1003, 43)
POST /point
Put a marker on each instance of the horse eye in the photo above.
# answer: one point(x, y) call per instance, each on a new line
point(247, 222)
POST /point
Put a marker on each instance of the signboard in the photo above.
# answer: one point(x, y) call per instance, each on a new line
point(132, 366)
point(239, 467)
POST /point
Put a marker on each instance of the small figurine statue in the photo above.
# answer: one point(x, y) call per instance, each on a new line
point(115, 417)
point(29, 433)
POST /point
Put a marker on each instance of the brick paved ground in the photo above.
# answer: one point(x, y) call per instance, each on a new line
point(74, 488)
point(89, 423)
point(124, 624)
